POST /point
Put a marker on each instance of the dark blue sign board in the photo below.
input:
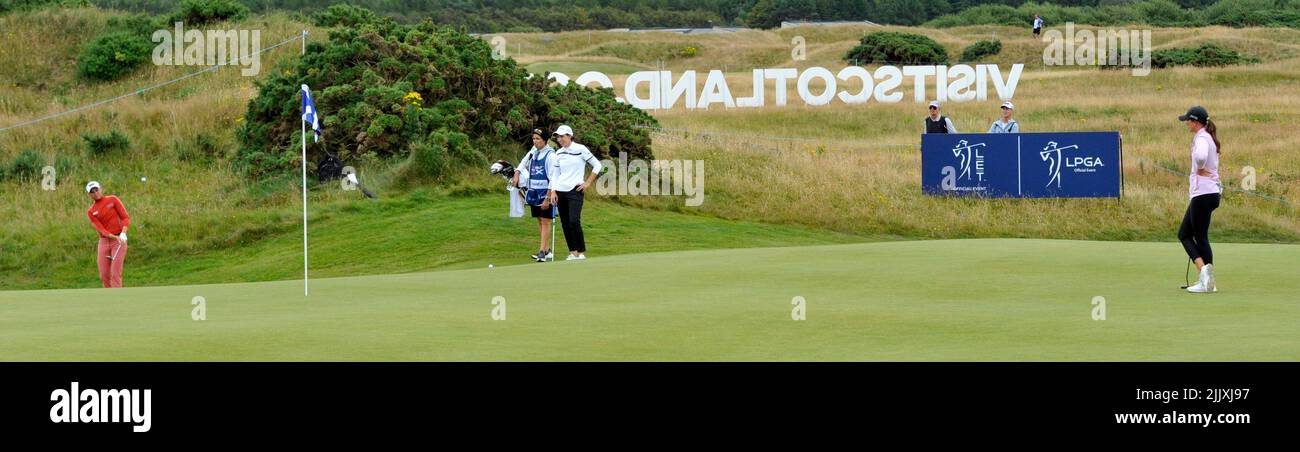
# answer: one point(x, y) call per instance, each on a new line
point(1022, 165)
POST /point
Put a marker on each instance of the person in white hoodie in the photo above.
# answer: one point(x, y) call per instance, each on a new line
point(1204, 188)
point(568, 186)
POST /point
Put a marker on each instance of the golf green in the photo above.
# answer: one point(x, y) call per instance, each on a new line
point(994, 299)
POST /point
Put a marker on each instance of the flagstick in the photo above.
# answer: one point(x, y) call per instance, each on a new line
point(304, 184)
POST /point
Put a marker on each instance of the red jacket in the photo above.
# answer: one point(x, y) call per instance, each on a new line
point(108, 215)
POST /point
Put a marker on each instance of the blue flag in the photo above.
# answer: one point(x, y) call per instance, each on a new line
point(309, 112)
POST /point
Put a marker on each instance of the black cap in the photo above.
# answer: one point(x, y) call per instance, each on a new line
point(1196, 113)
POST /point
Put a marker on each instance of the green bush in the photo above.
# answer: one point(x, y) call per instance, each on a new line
point(981, 49)
point(344, 15)
point(114, 55)
point(387, 90)
point(1165, 13)
point(25, 167)
point(200, 12)
point(427, 161)
point(1207, 54)
point(100, 144)
point(204, 148)
point(983, 15)
point(890, 47)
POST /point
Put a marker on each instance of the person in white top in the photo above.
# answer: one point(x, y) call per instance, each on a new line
point(568, 186)
point(1204, 188)
point(1006, 124)
point(1038, 25)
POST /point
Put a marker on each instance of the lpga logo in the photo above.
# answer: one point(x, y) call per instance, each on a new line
point(1053, 155)
point(179, 47)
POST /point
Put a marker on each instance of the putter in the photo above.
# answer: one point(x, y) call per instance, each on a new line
point(1187, 280)
point(554, 214)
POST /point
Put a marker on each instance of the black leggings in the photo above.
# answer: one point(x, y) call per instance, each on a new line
point(1195, 230)
point(570, 207)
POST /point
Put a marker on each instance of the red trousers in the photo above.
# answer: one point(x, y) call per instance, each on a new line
point(110, 255)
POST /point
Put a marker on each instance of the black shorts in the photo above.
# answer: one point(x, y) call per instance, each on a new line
point(539, 212)
point(1037, 30)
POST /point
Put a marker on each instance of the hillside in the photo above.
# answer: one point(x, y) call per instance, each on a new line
point(853, 169)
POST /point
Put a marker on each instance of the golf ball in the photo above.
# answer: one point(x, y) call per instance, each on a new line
point(489, 265)
point(142, 179)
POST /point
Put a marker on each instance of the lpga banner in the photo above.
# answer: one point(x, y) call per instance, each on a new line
point(1022, 165)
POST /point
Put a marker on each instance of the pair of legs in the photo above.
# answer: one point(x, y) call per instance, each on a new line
point(545, 218)
point(571, 221)
point(544, 225)
point(110, 254)
point(1195, 229)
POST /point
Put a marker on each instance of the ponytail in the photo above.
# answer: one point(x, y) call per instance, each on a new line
point(1212, 130)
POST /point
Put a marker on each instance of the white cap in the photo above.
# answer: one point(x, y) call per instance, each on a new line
point(1008, 105)
point(934, 103)
point(91, 186)
point(564, 130)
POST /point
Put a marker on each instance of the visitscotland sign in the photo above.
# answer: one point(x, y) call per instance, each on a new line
point(650, 90)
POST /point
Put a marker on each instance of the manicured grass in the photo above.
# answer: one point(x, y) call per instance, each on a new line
point(994, 299)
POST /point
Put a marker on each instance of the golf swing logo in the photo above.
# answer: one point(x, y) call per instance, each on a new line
point(969, 153)
point(1053, 154)
point(75, 405)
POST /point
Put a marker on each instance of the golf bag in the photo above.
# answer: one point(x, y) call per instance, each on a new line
point(504, 169)
point(329, 168)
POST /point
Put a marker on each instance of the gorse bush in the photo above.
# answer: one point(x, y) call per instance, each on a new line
point(430, 94)
point(126, 44)
point(897, 48)
point(112, 56)
point(105, 143)
point(1208, 54)
point(981, 49)
point(25, 167)
point(343, 15)
point(200, 12)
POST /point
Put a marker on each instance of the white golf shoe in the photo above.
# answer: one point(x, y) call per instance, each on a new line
point(1205, 283)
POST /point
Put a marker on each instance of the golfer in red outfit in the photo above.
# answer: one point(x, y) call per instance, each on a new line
point(109, 217)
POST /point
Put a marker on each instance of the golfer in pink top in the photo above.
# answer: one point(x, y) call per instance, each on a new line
point(1204, 189)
